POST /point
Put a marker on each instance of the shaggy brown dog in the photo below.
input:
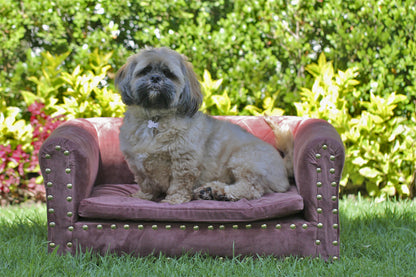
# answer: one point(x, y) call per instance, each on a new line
point(182, 154)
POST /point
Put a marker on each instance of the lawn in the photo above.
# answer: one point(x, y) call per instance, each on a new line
point(377, 239)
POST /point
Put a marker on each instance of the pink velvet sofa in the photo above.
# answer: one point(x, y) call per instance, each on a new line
point(88, 187)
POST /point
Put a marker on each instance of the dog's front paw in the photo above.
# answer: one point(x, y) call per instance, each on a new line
point(140, 194)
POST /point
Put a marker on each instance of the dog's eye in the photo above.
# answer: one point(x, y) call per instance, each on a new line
point(144, 71)
point(168, 73)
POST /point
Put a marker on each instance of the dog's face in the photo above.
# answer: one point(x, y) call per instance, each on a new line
point(159, 78)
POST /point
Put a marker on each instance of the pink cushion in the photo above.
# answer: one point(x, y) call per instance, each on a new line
point(112, 201)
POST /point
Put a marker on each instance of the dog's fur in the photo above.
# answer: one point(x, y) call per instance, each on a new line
point(179, 153)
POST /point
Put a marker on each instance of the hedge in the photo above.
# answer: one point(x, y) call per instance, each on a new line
point(252, 56)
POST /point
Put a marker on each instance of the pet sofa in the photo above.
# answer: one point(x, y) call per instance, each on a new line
point(88, 188)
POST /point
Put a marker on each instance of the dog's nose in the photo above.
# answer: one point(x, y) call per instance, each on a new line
point(155, 78)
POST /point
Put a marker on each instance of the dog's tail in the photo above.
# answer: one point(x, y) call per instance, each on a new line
point(284, 142)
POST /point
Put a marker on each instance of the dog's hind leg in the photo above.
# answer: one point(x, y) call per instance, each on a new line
point(223, 192)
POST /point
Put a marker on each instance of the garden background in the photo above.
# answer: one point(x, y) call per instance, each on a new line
point(351, 62)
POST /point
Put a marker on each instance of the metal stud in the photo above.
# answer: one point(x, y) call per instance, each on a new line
point(99, 227)
point(69, 199)
point(50, 197)
point(168, 227)
point(70, 228)
point(47, 156)
point(248, 226)
point(334, 184)
point(319, 210)
point(335, 258)
point(324, 146)
point(182, 227)
point(69, 214)
point(48, 170)
point(278, 226)
point(335, 226)
point(154, 227)
point(69, 186)
point(113, 226)
point(66, 153)
point(235, 227)
point(69, 244)
point(222, 227)
point(335, 211)
point(49, 184)
point(305, 226)
point(319, 225)
point(318, 156)
point(334, 198)
point(67, 170)
point(140, 227)
point(264, 226)
point(52, 224)
point(52, 245)
point(292, 226)
point(332, 157)
point(210, 227)
point(318, 169)
point(332, 170)
point(319, 184)
point(58, 148)
point(126, 226)
point(196, 228)
point(335, 243)
point(319, 197)
point(317, 242)
point(85, 227)
point(51, 211)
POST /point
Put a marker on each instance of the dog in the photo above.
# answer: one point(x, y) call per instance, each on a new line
point(176, 152)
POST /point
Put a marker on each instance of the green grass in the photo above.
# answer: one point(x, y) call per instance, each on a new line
point(377, 239)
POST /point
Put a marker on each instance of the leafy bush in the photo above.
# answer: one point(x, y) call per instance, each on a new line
point(380, 147)
point(258, 48)
point(258, 53)
point(19, 149)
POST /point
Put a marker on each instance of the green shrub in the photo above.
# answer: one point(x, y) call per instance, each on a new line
point(258, 48)
point(380, 147)
point(259, 51)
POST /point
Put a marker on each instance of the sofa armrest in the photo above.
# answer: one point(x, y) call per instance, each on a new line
point(318, 162)
point(69, 161)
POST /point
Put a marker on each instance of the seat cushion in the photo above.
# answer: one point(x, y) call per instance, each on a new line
point(113, 201)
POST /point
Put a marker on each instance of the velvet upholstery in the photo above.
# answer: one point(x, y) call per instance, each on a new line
point(88, 185)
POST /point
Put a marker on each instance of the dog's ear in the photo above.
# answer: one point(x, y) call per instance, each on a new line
point(191, 97)
point(123, 79)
